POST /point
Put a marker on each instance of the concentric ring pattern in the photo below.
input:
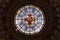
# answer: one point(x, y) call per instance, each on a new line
point(29, 19)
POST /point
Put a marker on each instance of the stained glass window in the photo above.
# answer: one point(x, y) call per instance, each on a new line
point(29, 19)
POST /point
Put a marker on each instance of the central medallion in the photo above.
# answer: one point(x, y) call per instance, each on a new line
point(30, 19)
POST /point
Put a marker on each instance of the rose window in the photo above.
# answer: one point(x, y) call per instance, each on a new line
point(29, 19)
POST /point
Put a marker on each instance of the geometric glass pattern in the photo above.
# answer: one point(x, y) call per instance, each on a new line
point(29, 20)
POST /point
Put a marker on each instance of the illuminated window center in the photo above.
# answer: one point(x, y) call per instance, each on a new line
point(29, 20)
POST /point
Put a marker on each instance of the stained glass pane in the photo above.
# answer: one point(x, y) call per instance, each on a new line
point(29, 19)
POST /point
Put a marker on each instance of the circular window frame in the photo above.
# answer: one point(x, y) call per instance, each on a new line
point(38, 9)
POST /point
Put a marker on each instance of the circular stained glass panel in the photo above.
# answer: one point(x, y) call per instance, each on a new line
point(29, 19)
